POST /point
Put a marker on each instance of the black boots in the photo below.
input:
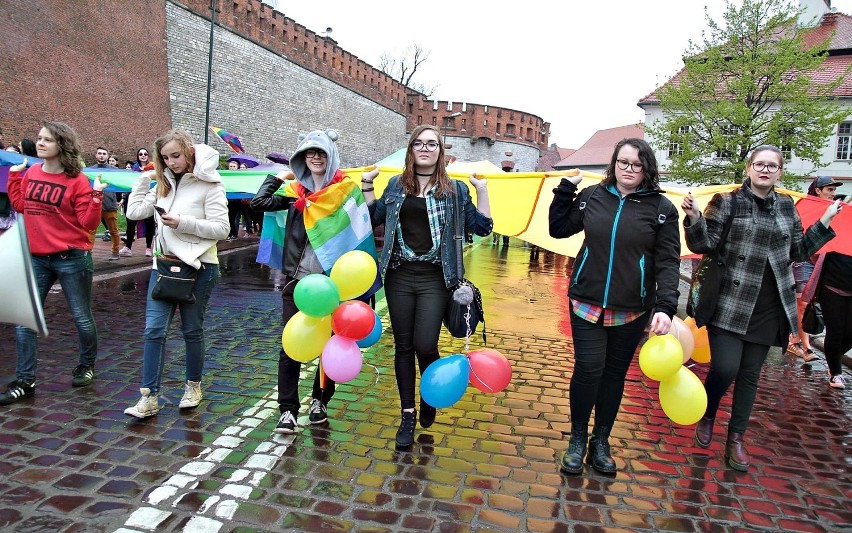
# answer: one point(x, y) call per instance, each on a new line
point(572, 459)
point(704, 432)
point(599, 454)
point(405, 433)
point(735, 452)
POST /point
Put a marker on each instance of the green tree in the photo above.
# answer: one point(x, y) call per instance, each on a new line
point(748, 83)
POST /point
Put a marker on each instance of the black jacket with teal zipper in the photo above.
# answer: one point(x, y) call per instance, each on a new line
point(630, 258)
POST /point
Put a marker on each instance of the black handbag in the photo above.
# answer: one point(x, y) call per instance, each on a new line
point(464, 306)
point(707, 278)
point(175, 281)
point(812, 321)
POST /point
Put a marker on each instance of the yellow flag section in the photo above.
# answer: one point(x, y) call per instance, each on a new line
point(520, 201)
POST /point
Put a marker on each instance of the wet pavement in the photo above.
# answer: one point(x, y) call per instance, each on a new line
point(71, 461)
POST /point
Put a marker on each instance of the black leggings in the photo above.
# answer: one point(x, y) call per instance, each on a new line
point(732, 360)
point(417, 298)
point(837, 314)
point(131, 232)
point(602, 358)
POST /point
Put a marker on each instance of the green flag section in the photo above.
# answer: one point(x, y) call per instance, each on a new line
point(238, 183)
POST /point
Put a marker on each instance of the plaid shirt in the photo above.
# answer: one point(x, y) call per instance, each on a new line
point(436, 210)
point(592, 313)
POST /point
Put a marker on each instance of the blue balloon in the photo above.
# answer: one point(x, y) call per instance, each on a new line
point(445, 381)
point(374, 335)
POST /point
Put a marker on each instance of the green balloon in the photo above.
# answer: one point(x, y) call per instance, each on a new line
point(316, 295)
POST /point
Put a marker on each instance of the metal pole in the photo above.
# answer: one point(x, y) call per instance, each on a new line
point(209, 71)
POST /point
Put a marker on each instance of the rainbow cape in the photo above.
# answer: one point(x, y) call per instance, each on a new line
point(336, 220)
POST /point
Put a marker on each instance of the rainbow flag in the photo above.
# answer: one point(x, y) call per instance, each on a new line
point(336, 220)
point(229, 138)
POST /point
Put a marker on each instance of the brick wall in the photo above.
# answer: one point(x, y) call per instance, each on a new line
point(99, 66)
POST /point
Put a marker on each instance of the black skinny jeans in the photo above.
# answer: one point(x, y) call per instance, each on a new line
point(150, 229)
point(417, 298)
point(288, 369)
point(733, 360)
point(837, 314)
point(602, 358)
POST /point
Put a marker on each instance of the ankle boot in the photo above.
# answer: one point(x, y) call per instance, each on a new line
point(735, 452)
point(572, 459)
point(599, 454)
point(405, 433)
point(704, 432)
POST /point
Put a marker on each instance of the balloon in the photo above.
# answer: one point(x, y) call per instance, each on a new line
point(683, 397)
point(701, 354)
point(490, 371)
point(304, 336)
point(660, 357)
point(353, 319)
point(444, 381)
point(316, 295)
point(354, 273)
point(684, 336)
point(374, 335)
point(341, 359)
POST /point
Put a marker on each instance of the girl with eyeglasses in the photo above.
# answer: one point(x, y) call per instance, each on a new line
point(419, 259)
point(626, 276)
point(143, 163)
point(757, 297)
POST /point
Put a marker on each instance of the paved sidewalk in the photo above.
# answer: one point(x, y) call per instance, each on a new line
point(72, 461)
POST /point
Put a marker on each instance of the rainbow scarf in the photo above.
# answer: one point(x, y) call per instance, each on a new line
point(336, 219)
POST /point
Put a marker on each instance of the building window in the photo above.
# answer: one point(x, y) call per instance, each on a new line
point(498, 128)
point(676, 142)
point(844, 141)
point(434, 121)
point(510, 130)
point(464, 121)
point(411, 108)
point(419, 119)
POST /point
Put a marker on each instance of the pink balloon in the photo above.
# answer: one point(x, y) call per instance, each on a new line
point(353, 319)
point(341, 359)
point(490, 371)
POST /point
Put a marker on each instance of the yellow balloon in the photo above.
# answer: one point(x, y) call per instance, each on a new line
point(305, 336)
point(660, 357)
point(354, 273)
point(701, 353)
point(683, 397)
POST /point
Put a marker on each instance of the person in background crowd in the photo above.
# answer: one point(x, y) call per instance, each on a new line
point(128, 165)
point(143, 162)
point(234, 208)
point(757, 297)
point(61, 209)
point(420, 261)
point(109, 211)
point(112, 161)
point(195, 217)
point(614, 298)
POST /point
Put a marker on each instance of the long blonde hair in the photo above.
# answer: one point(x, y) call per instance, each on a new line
point(185, 142)
point(409, 181)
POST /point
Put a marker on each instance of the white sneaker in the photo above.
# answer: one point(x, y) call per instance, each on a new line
point(125, 252)
point(146, 406)
point(191, 395)
point(148, 252)
point(837, 382)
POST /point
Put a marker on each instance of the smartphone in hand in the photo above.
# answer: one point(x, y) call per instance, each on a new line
point(160, 210)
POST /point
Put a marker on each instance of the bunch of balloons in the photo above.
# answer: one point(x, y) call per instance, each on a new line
point(445, 381)
point(682, 395)
point(329, 322)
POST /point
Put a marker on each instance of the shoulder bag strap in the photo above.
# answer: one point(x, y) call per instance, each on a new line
point(458, 234)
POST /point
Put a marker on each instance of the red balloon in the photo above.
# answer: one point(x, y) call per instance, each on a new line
point(353, 319)
point(490, 371)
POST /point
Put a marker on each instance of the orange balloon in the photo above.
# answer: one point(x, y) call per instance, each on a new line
point(683, 334)
point(701, 353)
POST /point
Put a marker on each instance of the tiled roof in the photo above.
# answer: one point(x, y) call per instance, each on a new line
point(551, 157)
point(840, 50)
point(598, 149)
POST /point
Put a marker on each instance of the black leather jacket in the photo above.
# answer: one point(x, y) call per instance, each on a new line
point(296, 237)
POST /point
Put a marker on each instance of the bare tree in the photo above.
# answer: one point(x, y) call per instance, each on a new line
point(403, 68)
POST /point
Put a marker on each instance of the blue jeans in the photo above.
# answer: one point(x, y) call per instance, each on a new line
point(158, 318)
point(602, 359)
point(74, 270)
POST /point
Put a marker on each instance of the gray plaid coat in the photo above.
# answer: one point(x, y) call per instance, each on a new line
point(762, 228)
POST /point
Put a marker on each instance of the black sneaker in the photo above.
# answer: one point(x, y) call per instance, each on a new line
point(317, 412)
point(405, 433)
point(427, 414)
point(287, 423)
point(17, 390)
point(83, 375)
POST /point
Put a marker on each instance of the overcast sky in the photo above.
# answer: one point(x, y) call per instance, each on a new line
point(579, 64)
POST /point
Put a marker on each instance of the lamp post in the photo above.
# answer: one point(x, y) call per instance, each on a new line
point(447, 126)
point(209, 70)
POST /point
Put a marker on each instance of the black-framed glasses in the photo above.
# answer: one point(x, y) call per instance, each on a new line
point(429, 146)
point(311, 154)
point(760, 166)
point(143, 153)
point(624, 164)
